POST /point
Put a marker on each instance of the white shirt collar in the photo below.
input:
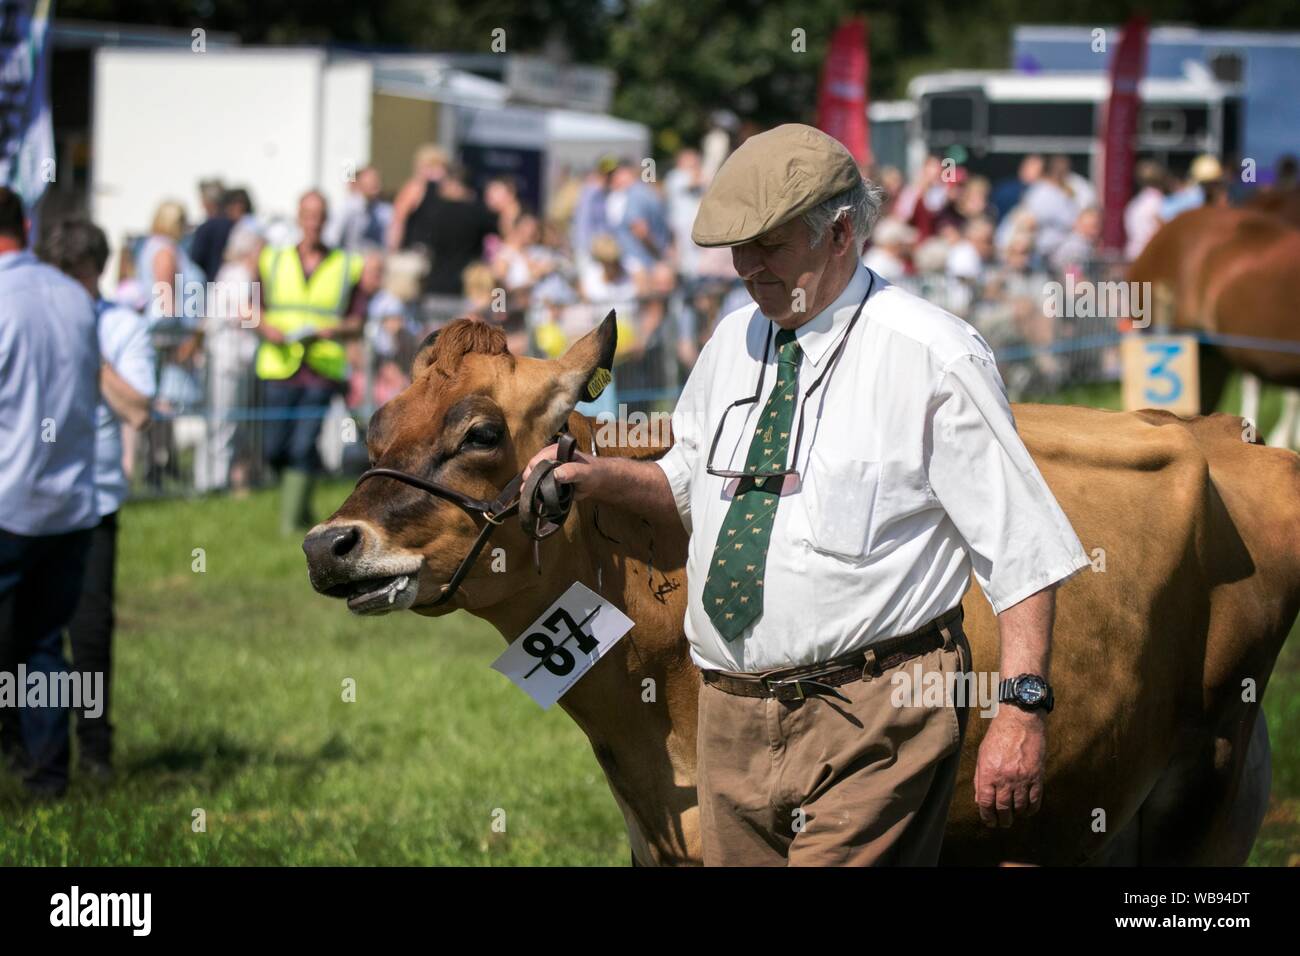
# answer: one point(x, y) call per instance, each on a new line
point(822, 331)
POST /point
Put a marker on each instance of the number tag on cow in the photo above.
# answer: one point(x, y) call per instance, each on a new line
point(563, 644)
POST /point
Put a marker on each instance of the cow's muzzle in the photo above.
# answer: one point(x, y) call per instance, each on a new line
point(344, 560)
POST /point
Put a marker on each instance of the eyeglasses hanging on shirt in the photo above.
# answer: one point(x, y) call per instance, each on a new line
point(789, 475)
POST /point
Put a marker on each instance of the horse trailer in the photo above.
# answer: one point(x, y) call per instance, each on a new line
point(995, 118)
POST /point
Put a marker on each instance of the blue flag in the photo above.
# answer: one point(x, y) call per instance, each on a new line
point(26, 131)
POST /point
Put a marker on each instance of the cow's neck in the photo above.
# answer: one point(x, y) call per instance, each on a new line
point(637, 706)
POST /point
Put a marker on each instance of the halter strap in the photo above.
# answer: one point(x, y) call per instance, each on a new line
point(538, 521)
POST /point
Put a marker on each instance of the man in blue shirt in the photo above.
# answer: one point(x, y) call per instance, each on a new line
point(49, 374)
point(637, 216)
point(127, 385)
point(1204, 182)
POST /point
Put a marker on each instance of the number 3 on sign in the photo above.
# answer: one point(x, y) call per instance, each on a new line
point(1160, 371)
point(1162, 374)
point(563, 644)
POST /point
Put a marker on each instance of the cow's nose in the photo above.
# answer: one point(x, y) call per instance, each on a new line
point(331, 546)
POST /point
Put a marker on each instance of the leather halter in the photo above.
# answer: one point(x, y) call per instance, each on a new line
point(542, 504)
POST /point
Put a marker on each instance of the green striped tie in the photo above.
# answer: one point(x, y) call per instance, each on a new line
point(733, 590)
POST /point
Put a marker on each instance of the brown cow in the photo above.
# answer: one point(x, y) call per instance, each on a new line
point(1156, 754)
point(1281, 202)
point(1229, 272)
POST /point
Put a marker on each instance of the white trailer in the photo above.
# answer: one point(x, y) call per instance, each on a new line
point(278, 121)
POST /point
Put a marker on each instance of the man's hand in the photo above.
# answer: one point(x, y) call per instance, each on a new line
point(639, 487)
point(1009, 769)
point(582, 473)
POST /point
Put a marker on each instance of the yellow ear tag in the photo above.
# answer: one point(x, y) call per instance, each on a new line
point(596, 384)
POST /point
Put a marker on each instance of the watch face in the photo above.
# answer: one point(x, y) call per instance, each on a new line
point(1032, 690)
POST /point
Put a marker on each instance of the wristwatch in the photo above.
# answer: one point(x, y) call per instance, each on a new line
point(1028, 692)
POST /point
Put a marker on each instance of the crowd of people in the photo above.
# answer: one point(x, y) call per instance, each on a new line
point(611, 238)
point(615, 236)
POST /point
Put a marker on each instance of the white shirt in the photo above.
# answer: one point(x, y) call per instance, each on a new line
point(913, 475)
point(1142, 220)
point(1054, 211)
point(124, 344)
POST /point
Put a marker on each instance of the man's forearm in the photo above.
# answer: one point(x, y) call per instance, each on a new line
point(127, 404)
point(639, 486)
point(1026, 635)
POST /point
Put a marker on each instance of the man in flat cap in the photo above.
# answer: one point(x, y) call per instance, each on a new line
point(844, 458)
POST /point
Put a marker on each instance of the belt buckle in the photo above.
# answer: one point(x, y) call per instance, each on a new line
point(771, 685)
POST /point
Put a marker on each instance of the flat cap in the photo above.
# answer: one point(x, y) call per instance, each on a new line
point(769, 180)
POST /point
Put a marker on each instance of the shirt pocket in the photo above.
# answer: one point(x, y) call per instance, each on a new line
point(839, 497)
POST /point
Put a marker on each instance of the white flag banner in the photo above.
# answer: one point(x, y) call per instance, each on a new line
point(26, 130)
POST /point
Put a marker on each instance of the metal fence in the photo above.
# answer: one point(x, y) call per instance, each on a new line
point(1048, 331)
point(206, 433)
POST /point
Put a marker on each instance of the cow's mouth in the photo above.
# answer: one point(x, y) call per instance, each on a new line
point(378, 595)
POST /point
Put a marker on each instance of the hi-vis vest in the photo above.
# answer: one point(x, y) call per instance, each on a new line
point(293, 304)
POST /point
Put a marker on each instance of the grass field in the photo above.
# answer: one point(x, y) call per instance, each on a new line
point(229, 699)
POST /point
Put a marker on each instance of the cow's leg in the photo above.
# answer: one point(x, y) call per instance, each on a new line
point(1250, 398)
point(1125, 849)
point(1207, 807)
point(1246, 812)
point(1284, 434)
point(1214, 371)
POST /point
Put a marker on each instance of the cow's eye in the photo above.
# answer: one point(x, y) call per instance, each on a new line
point(482, 436)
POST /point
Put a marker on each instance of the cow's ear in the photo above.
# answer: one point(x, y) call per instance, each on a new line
point(424, 355)
point(584, 370)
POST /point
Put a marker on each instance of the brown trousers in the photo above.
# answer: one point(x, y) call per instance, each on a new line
point(825, 782)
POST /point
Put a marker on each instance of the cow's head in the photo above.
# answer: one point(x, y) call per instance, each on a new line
point(470, 420)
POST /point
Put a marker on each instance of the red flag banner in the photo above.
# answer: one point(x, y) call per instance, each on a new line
point(842, 100)
point(1119, 139)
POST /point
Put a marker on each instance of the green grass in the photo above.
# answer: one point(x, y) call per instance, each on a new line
point(229, 699)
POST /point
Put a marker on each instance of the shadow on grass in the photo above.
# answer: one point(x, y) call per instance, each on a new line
point(223, 755)
point(214, 761)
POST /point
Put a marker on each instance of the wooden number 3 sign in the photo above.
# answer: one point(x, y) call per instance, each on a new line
point(1160, 371)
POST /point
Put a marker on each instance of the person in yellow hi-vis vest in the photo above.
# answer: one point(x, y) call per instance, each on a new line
point(312, 301)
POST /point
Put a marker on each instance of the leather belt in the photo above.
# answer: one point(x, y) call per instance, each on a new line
point(796, 683)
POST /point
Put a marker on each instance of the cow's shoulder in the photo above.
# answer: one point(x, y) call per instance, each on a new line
point(1260, 486)
point(1134, 487)
point(1147, 442)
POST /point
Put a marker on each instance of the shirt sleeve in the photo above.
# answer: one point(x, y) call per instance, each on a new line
point(1018, 538)
point(689, 439)
point(135, 360)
